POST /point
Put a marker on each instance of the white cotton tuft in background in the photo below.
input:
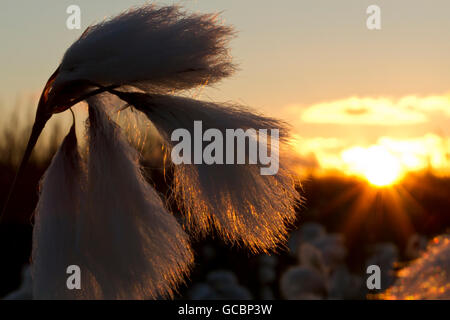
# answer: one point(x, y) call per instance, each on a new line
point(219, 285)
point(151, 48)
point(428, 277)
point(303, 283)
point(244, 206)
point(55, 229)
point(134, 248)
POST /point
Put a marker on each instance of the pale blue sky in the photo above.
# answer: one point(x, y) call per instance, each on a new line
point(290, 51)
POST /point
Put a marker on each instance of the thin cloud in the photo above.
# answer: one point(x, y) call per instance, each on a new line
point(440, 103)
point(367, 111)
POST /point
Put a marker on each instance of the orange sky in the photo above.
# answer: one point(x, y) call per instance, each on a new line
point(376, 134)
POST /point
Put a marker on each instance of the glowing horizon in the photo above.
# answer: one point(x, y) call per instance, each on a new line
point(379, 139)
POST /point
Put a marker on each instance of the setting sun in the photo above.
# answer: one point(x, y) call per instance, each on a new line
point(376, 164)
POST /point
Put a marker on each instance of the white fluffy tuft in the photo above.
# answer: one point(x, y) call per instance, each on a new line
point(54, 234)
point(243, 205)
point(108, 221)
point(152, 48)
point(135, 249)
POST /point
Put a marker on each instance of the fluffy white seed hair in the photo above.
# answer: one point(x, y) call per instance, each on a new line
point(152, 48)
point(241, 204)
point(56, 215)
point(428, 277)
point(134, 248)
point(107, 220)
